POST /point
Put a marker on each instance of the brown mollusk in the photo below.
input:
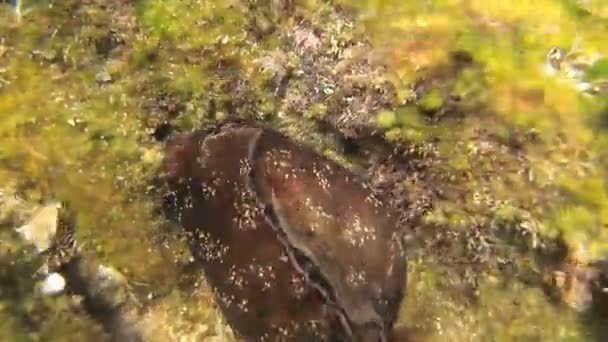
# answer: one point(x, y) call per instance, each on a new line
point(295, 246)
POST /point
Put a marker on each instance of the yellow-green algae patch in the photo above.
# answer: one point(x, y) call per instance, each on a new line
point(511, 42)
point(534, 150)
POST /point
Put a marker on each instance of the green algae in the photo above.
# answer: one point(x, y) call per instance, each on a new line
point(511, 49)
point(520, 151)
point(557, 178)
point(495, 309)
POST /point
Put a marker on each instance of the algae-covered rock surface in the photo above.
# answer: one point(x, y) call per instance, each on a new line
point(483, 123)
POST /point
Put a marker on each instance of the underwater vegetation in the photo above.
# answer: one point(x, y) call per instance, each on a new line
point(482, 123)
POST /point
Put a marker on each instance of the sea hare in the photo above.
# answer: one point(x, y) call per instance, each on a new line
point(295, 246)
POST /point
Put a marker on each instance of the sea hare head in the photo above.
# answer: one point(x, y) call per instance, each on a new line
point(178, 151)
point(294, 245)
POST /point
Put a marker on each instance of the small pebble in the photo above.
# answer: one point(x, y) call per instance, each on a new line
point(103, 77)
point(53, 284)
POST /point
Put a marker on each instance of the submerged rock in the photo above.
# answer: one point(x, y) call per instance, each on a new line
point(104, 291)
point(295, 246)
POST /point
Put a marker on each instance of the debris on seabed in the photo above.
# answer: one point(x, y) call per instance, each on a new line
point(572, 66)
point(41, 228)
point(53, 284)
